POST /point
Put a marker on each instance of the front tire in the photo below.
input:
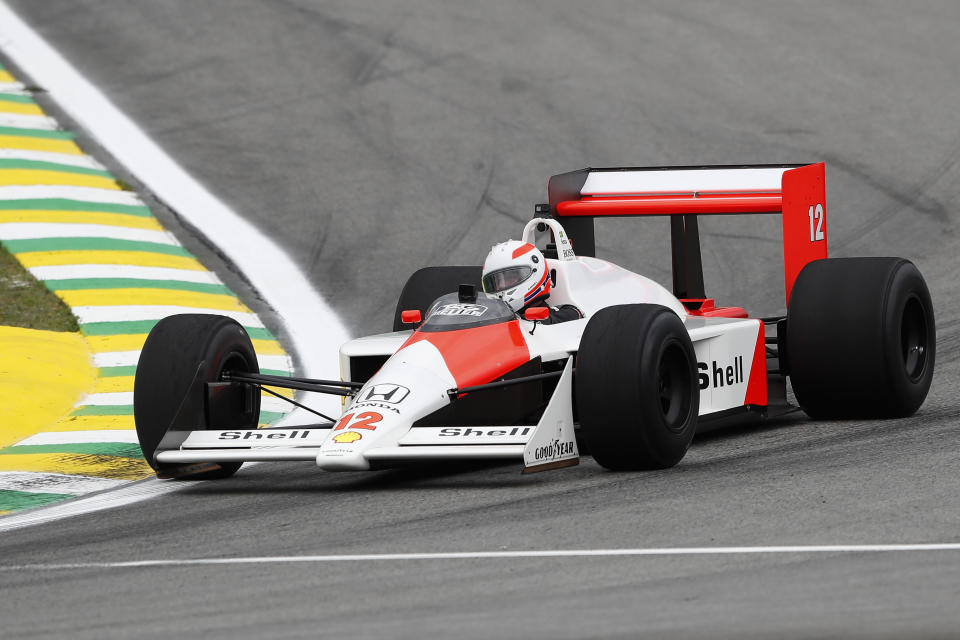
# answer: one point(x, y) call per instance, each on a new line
point(179, 349)
point(637, 390)
point(861, 341)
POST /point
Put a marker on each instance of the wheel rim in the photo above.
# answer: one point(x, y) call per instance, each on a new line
point(234, 362)
point(913, 339)
point(673, 387)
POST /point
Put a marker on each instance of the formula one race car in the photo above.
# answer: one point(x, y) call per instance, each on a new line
point(465, 375)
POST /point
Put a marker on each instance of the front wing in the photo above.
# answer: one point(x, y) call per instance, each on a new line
point(551, 443)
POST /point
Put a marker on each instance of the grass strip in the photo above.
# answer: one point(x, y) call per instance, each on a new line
point(131, 327)
point(276, 372)
point(25, 302)
point(117, 372)
point(65, 204)
point(74, 284)
point(14, 163)
point(15, 97)
point(36, 133)
point(103, 410)
point(116, 449)
point(11, 500)
point(93, 244)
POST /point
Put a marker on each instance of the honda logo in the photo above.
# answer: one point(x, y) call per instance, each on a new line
point(392, 393)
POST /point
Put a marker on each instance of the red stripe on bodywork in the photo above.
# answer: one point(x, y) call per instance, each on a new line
point(671, 205)
point(519, 251)
point(478, 355)
point(705, 307)
point(757, 385)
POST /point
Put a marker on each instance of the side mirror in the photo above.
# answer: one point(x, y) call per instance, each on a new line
point(536, 313)
point(411, 316)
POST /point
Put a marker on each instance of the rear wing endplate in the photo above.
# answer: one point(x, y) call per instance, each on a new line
point(797, 192)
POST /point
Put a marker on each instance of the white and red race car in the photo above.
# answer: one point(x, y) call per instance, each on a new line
point(631, 382)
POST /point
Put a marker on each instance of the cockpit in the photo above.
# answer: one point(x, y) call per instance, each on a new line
point(449, 313)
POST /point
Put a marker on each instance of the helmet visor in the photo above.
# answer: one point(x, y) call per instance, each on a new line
point(504, 279)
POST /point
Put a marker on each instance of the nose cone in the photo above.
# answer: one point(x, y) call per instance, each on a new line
point(339, 454)
point(411, 384)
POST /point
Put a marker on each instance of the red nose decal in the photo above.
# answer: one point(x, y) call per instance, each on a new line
point(478, 355)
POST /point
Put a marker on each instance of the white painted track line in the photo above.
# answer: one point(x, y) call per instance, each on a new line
point(499, 555)
point(49, 156)
point(74, 437)
point(83, 194)
point(90, 314)
point(130, 358)
point(116, 358)
point(106, 399)
point(30, 230)
point(91, 503)
point(63, 483)
point(21, 121)
point(91, 271)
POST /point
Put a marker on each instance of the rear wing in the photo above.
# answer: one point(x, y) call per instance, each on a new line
point(797, 192)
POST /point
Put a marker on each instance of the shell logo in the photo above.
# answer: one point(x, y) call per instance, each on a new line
point(347, 437)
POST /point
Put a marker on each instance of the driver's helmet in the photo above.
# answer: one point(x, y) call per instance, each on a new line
point(516, 273)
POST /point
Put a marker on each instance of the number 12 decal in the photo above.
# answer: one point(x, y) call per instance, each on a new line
point(366, 420)
point(816, 222)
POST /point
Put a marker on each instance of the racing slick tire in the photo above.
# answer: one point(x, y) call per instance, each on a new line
point(180, 349)
point(428, 284)
point(861, 340)
point(636, 387)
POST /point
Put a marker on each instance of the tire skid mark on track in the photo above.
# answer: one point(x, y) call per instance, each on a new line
point(93, 244)
point(912, 197)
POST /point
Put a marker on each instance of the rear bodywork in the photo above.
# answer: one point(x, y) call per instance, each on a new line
point(474, 381)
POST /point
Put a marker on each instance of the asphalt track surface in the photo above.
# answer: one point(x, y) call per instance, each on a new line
point(374, 138)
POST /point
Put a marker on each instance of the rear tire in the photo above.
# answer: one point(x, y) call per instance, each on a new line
point(636, 389)
point(861, 340)
point(174, 351)
point(428, 284)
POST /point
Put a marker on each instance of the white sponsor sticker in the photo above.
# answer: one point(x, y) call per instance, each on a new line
point(243, 439)
point(461, 309)
point(724, 363)
point(554, 440)
point(467, 435)
point(384, 392)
